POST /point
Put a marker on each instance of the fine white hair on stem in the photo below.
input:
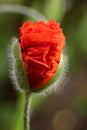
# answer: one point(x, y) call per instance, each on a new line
point(20, 9)
point(56, 86)
point(11, 62)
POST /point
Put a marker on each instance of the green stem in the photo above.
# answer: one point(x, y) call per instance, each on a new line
point(18, 120)
point(27, 111)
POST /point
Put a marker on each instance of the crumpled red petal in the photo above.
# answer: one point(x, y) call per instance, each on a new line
point(41, 46)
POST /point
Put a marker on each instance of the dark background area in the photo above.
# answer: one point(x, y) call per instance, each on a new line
point(64, 110)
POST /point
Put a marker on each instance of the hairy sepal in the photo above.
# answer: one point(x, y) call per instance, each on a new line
point(16, 67)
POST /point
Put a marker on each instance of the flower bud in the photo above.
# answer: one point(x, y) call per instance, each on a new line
point(38, 62)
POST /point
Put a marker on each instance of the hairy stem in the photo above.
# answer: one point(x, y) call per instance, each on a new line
point(27, 111)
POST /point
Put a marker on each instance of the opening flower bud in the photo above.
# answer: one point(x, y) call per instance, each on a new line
point(41, 45)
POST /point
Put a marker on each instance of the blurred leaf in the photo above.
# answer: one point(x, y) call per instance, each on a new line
point(54, 9)
point(82, 34)
point(10, 1)
point(6, 116)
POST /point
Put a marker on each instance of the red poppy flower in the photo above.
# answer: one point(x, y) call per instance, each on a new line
point(41, 46)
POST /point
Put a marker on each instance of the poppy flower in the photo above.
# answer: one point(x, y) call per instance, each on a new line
point(41, 46)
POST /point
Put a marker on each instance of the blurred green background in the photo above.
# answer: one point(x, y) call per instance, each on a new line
point(66, 110)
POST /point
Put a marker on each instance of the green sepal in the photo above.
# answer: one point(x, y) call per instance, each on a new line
point(18, 73)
